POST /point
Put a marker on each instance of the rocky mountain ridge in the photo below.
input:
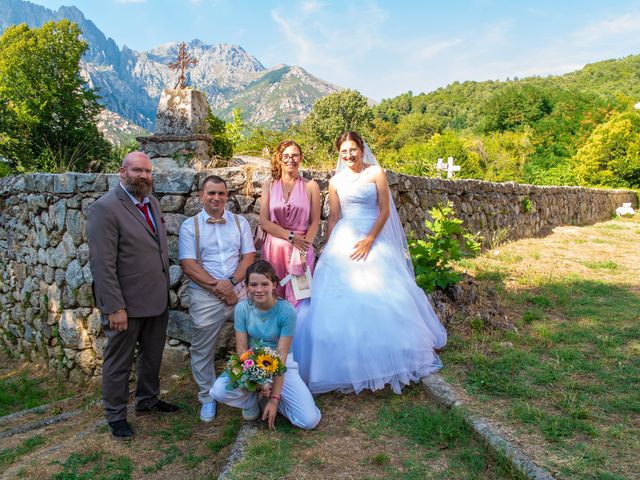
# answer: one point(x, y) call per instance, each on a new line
point(130, 82)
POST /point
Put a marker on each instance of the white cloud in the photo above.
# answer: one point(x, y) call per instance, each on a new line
point(434, 49)
point(605, 29)
point(195, 2)
point(312, 6)
point(498, 32)
point(303, 46)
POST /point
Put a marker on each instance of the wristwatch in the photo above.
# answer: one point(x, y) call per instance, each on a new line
point(233, 281)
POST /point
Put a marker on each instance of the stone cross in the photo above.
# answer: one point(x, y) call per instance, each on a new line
point(449, 166)
point(183, 62)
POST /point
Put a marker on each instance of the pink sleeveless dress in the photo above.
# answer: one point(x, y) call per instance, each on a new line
point(292, 215)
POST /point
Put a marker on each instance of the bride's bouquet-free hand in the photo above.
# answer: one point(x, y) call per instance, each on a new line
point(253, 368)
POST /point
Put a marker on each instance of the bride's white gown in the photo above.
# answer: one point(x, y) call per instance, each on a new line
point(368, 324)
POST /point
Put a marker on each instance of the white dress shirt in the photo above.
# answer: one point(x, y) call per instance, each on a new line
point(221, 244)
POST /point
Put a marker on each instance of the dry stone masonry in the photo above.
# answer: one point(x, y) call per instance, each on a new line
point(180, 139)
point(47, 312)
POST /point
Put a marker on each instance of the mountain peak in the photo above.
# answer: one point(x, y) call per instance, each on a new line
point(71, 12)
point(130, 82)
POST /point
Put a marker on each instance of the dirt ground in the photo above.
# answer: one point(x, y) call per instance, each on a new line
point(163, 447)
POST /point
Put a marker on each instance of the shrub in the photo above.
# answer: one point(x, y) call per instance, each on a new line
point(448, 242)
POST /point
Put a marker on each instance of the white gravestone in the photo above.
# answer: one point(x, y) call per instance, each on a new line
point(449, 166)
point(625, 209)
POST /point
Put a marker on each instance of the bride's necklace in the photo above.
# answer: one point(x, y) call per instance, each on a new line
point(355, 176)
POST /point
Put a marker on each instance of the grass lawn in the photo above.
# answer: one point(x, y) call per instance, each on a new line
point(165, 447)
point(565, 383)
point(24, 386)
point(371, 436)
point(563, 386)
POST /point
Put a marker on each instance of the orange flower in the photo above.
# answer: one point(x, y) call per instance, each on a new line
point(245, 355)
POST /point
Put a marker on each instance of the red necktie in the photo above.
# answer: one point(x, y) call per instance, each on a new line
point(144, 208)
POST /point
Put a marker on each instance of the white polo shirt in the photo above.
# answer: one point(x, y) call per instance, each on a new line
point(221, 244)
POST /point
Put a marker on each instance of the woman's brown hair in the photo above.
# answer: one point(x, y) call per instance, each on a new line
point(276, 161)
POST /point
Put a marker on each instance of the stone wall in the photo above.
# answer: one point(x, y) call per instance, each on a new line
point(47, 313)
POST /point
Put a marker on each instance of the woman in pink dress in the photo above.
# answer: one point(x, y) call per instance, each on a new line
point(290, 216)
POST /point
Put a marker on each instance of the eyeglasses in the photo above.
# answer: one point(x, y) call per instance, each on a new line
point(293, 156)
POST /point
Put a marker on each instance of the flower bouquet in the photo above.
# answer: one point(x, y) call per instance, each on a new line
point(253, 368)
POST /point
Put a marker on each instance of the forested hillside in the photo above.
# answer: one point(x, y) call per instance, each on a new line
point(579, 128)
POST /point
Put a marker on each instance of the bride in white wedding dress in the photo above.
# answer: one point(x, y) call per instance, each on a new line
point(368, 324)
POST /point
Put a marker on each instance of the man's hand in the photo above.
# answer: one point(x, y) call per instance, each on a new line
point(230, 299)
point(223, 289)
point(119, 320)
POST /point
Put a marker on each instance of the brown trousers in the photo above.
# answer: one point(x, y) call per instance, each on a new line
point(148, 334)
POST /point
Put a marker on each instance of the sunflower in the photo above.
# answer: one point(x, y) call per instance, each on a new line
point(267, 363)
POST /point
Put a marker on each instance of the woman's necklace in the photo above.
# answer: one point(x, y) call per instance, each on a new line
point(286, 189)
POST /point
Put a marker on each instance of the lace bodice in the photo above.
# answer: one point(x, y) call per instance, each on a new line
point(358, 200)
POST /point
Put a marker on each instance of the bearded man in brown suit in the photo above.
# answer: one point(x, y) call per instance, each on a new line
point(130, 267)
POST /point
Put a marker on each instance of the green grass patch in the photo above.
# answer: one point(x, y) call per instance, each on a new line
point(228, 436)
point(10, 455)
point(426, 425)
point(171, 448)
point(169, 455)
point(95, 466)
point(532, 315)
point(21, 392)
point(432, 430)
point(604, 265)
point(269, 457)
point(380, 459)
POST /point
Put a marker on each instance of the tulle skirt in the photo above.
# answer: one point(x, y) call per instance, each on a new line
point(367, 324)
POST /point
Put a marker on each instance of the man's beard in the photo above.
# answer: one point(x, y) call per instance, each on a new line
point(138, 187)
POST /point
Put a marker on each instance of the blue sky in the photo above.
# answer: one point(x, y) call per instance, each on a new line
point(385, 48)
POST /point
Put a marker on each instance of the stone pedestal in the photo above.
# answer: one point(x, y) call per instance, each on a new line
point(180, 139)
point(182, 112)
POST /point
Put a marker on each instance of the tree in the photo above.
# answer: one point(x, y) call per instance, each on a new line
point(221, 143)
point(235, 128)
point(515, 106)
point(49, 113)
point(420, 158)
point(503, 155)
point(611, 155)
point(330, 117)
point(416, 127)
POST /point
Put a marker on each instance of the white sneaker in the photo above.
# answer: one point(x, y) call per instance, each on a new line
point(251, 413)
point(208, 412)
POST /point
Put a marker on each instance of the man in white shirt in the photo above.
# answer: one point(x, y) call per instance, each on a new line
point(215, 256)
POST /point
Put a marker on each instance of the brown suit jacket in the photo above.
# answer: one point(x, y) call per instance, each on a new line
point(129, 263)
